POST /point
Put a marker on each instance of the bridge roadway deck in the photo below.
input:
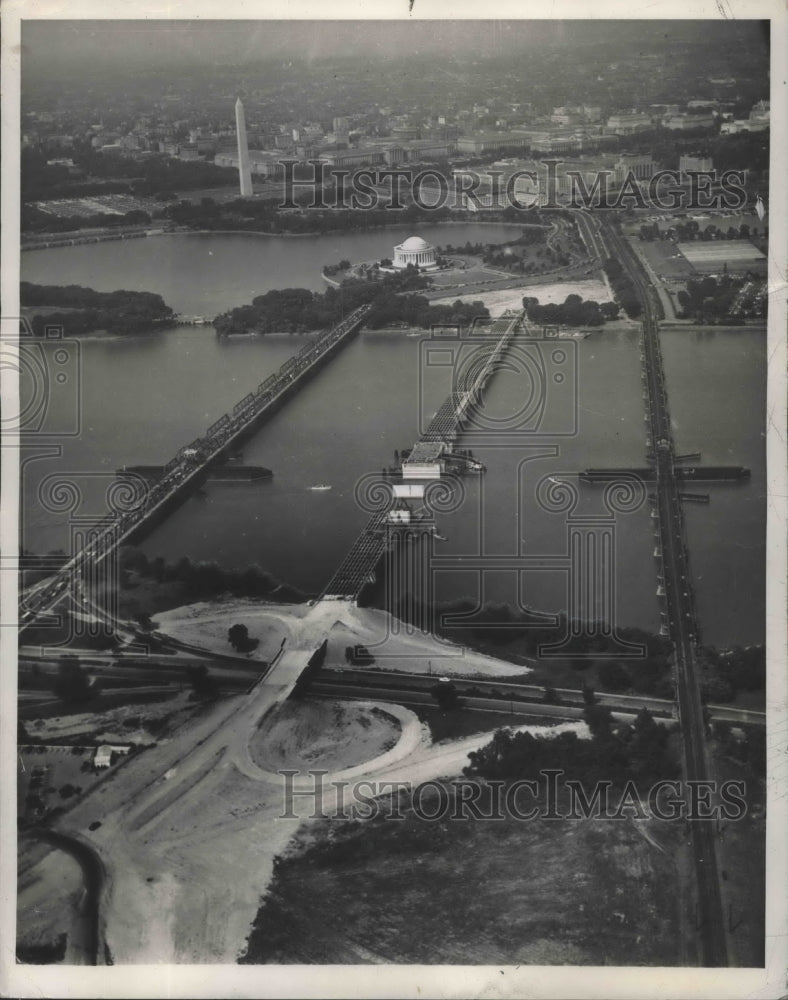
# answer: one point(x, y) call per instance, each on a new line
point(187, 470)
point(682, 474)
point(680, 608)
point(446, 423)
point(358, 566)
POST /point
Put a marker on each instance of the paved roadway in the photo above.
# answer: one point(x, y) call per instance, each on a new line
point(681, 612)
point(236, 673)
point(491, 687)
point(374, 682)
point(503, 705)
point(146, 670)
point(592, 236)
point(139, 673)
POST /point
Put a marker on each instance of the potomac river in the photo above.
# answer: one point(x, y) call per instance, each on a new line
point(137, 399)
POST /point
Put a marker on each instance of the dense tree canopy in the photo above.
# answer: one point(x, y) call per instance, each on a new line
point(117, 312)
point(624, 289)
point(639, 753)
point(297, 310)
point(72, 684)
point(574, 311)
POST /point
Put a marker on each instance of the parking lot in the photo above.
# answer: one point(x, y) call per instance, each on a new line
point(52, 776)
point(106, 204)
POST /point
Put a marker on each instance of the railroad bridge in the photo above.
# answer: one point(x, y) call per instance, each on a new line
point(679, 614)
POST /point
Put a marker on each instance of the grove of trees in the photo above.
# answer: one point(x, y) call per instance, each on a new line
point(87, 310)
point(714, 299)
point(203, 685)
point(239, 638)
point(574, 311)
point(638, 753)
point(297, 310)
point(207, 579)
point(445, 693)
point(72, 684)
point(624, 289)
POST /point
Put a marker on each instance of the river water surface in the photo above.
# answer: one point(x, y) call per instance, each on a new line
point(138, 399)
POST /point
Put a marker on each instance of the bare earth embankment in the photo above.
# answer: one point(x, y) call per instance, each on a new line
point(188, 830)
point(205, 624)
point(497, 300)
point(49, 905)
point(326, 734)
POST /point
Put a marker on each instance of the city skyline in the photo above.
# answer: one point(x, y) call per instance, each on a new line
point(54, 45)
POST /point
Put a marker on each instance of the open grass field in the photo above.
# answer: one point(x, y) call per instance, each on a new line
point(467, 892)
point(743, 860)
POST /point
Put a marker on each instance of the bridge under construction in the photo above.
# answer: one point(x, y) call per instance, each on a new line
point(161, 489)
point(423, 463)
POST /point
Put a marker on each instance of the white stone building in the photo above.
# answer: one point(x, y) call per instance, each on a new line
point(415, 251)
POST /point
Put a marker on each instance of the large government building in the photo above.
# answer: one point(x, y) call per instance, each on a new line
point(415, 251)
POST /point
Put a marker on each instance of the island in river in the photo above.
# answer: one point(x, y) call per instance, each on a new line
point(83, 310)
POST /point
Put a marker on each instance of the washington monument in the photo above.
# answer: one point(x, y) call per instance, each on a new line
point(244, 170)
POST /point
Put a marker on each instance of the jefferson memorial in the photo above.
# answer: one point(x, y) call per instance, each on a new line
point(415, 251)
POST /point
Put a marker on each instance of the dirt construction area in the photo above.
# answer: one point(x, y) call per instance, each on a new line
point(187, 831)
point(136, 723)
point(497, 300)
point(324, 734)
point(206, 625)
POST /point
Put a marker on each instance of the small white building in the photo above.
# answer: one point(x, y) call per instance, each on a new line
point(104, 752)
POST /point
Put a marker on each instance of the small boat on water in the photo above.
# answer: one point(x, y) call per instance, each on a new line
point(319, 488)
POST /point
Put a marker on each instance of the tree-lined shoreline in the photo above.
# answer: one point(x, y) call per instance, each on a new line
point(89, 311)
